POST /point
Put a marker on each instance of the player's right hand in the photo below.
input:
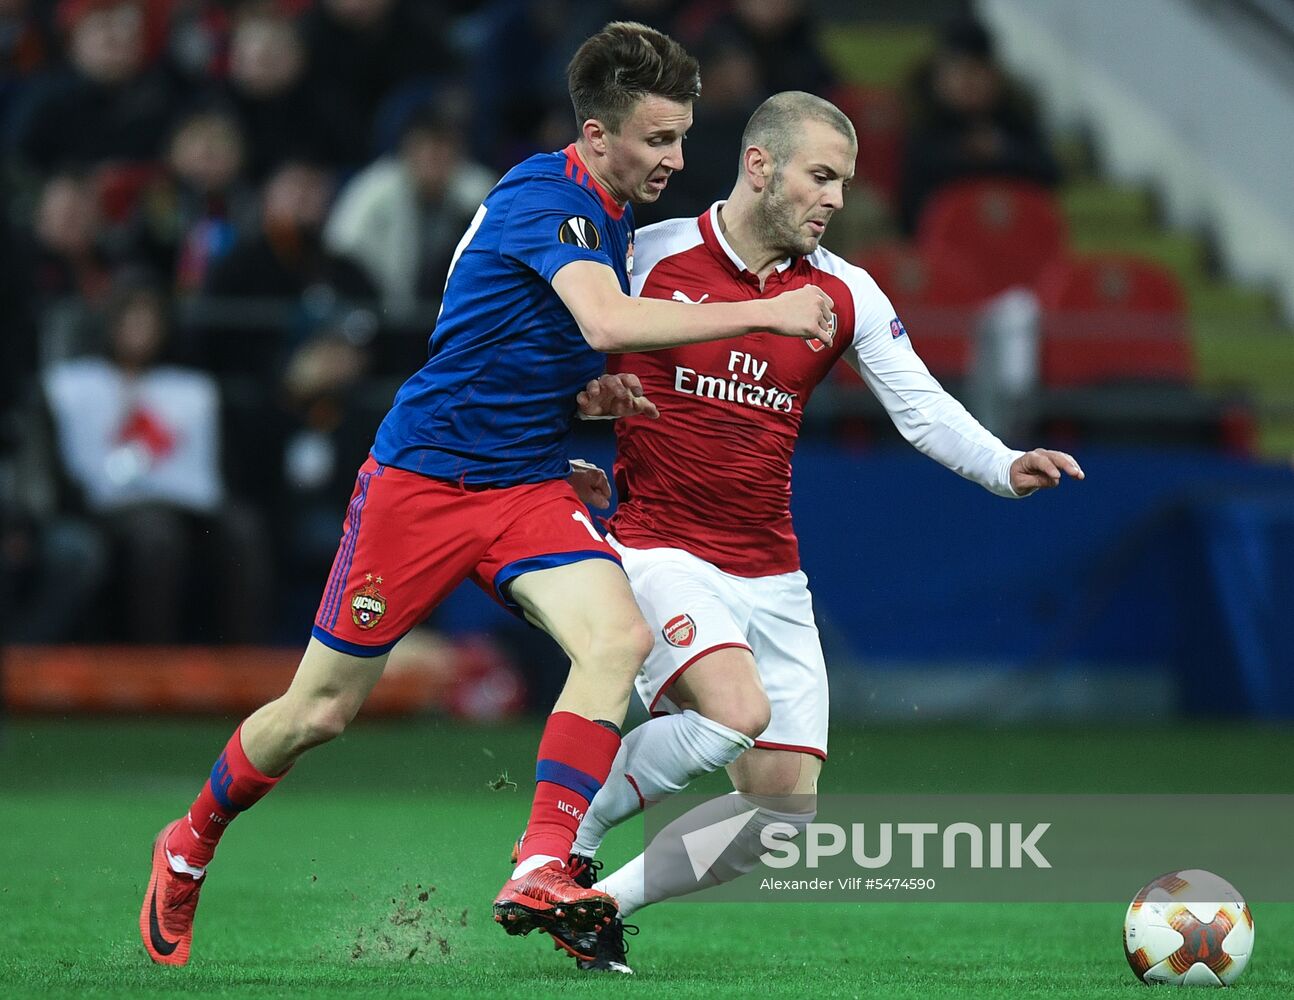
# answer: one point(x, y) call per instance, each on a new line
point(1042, 469)
point(804, 313)
point(611, 396)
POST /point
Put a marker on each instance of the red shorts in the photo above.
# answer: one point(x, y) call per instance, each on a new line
point(408, 540)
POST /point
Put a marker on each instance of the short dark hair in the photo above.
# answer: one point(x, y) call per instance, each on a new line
point(626, 61)
point(778, 124)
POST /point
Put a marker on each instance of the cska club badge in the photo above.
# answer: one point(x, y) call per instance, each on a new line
point(679, 631)
point(367, 606)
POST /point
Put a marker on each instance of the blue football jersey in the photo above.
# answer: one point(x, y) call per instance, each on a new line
point(495, 402)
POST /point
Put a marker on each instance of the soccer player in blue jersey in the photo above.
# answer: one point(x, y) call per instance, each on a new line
point(468, 479)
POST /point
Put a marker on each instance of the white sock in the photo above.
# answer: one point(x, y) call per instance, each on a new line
point(671, 872)
point(628, 885)
point(533, 862)
point(182, 867)
point(655, 760)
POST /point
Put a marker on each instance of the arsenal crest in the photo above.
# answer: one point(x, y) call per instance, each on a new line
point(679, 631)
point(367, 606)
point(816, 345)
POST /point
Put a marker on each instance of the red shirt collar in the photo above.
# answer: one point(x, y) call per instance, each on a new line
point(712, 236)
point(578, 172)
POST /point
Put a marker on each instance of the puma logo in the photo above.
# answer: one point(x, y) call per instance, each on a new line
point(680, 297)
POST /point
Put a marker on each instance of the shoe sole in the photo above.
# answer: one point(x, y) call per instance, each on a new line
point(614, 968)
point(180, 955)
point(522, 914)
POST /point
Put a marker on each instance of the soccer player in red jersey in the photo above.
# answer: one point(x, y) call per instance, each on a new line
point(736, 677)
point(468, 480)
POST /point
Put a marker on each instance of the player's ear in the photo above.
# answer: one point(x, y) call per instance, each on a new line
point(595, 135)
point(758, 167)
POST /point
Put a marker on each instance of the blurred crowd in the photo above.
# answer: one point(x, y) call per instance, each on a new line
point(226, 227)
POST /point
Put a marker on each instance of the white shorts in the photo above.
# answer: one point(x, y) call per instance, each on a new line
point(694, 608)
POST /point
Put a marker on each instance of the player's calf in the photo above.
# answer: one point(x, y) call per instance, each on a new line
point(326, 694)
point(658, 759)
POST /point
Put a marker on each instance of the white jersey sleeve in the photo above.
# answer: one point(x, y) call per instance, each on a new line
point(654, 243)
point(930, 419)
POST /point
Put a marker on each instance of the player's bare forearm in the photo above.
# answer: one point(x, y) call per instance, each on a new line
point(653, 324)
point(615, 323)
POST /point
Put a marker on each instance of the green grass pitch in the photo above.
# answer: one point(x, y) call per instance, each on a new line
point(370, 872)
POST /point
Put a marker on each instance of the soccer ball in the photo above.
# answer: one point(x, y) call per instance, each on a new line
point(1170, 937)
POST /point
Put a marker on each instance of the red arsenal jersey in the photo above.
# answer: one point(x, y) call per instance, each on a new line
point(713, 474)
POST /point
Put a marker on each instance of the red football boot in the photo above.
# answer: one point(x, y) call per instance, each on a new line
point(166, 919)
point(583, 871)
point(549, 894)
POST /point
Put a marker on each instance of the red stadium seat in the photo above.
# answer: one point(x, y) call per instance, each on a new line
point(937, 299)
point(1112, 318)
point(1110, 281)
point(1007, 231)
point(881, 123)
point(910, 278)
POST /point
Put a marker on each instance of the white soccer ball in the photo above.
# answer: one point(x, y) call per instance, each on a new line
point(1171, 937)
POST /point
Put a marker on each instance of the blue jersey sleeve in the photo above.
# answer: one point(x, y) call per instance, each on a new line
point(551, 224)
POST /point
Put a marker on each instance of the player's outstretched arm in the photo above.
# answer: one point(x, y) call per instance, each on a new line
point(1042, 469)
point(615, 323)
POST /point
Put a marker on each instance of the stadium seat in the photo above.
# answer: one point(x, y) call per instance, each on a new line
point(880, 122)
point(1110, 281)
point(1112, 318)
point(937, 300)
point(1006, 231)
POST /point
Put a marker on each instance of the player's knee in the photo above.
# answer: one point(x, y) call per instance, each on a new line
point(638, 640)
point(749, 715)
point(624, 646)
point(711, 744)
point(322, 720)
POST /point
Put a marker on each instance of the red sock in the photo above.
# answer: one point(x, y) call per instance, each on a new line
point(234, 785)
point(575, 758)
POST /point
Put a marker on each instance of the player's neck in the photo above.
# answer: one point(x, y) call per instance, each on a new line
point(595, 168)
point(738, 225)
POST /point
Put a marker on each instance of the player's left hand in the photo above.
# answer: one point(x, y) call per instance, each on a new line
point(590, 483)
point(616, 396)
point(1041, 469)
